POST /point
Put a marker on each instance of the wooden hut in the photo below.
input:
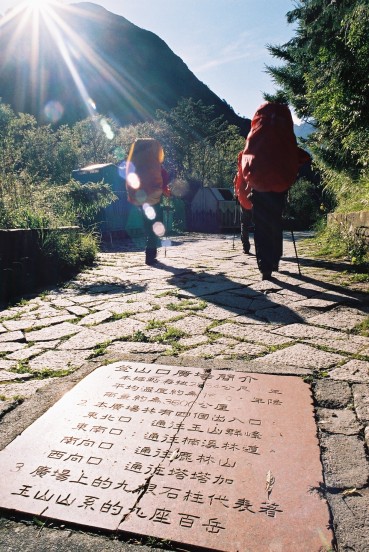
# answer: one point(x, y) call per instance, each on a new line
point(214, 210)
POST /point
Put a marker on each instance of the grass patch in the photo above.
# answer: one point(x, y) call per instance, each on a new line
point(362, 328)
point(99, 350)
point(155, 324)
point(115, 316)
point(140, 337)
point(187, 305)
point(169, 293)
point(171, 335)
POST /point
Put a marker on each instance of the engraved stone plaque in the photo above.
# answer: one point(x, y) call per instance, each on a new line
point(223, 460)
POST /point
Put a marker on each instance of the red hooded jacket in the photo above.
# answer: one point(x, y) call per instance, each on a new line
point(241, 188)
point(271, 158)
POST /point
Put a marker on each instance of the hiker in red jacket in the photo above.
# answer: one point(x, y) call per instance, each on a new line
point(146, 182)
point(271, 161)
point(241, 192)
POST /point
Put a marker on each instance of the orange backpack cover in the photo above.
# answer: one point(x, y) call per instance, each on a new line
point(144, 181)
point(271, 158)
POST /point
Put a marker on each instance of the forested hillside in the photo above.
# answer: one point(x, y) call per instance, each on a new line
point(80, 59)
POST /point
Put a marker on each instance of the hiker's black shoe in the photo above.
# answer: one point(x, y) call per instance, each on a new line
point(150, 256)
point(266, 275)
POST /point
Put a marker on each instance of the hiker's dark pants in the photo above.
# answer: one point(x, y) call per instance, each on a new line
point(268, 236)
point(152, 239)
point(246, 221)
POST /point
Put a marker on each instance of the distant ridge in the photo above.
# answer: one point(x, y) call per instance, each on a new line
point(90, 58)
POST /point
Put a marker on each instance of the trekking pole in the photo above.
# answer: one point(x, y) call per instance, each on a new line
point(294, 245)
point(166, 240)
point(234, 222)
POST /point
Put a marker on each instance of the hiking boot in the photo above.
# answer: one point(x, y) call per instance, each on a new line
point(150, 256)
point(266, 275)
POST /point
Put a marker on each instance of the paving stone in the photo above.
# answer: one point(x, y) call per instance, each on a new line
point(279, 315)
point(134, 347)
point(11, 376)
point(95, 318)
point(2, 329)
point(209, 350)
point(338, 421)
point(9, 346)
point(22, 324)
point(286, 296)
point(193, 341)
point(250, 333)
point(121, 328)
point(340, 318)
point(192, 325)
point(332, 394)
point(316, 304)
point(208, 455)
point(248, 349)
point(58, 360)
point(78, 310)
point(7, 364)
point(162, 315)
point(124, 307)
point(344, 460)
point(85, 339)
point(250, 318)
point(62, 302)
point(351, 521)
point(49, 321)
point(219, 313)
point(230, 301)
point(303, 356)
point(11, 336)
point(53, 332)
point(325, 337)
point(46, 310)
point(361, 401)
point(25, 354)
point(366, 436)
point(23, 390)
point(353, 370)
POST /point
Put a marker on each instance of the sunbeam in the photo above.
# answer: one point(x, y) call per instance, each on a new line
point(48, 28)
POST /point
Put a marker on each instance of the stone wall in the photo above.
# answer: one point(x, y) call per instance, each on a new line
point(22, 264)
point(357, 222)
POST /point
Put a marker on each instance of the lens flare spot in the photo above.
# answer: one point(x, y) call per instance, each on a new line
point(140, 196)
point(159, 229)
point(91, 104)
point(107, 129)
point(149, 211)
point(53, 111)
point(133, 181)
point(122, 168)
point(180, 188)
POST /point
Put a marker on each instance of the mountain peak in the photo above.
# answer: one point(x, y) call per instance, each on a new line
point(81, 55)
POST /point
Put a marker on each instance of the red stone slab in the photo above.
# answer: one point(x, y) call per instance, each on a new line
point(243, 475)
point(227, 463)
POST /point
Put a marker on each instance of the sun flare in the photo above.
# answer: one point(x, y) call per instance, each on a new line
point(37, 5)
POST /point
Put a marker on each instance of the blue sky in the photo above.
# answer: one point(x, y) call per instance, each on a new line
point(223, 42)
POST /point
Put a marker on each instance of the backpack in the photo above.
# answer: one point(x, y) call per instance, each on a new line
point(144, 181)
point(271, 158)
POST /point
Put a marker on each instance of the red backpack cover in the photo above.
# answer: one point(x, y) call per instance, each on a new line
point(241, 188)
point(271, 158)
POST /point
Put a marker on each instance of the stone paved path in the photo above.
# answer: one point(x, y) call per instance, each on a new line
point(202, 305)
